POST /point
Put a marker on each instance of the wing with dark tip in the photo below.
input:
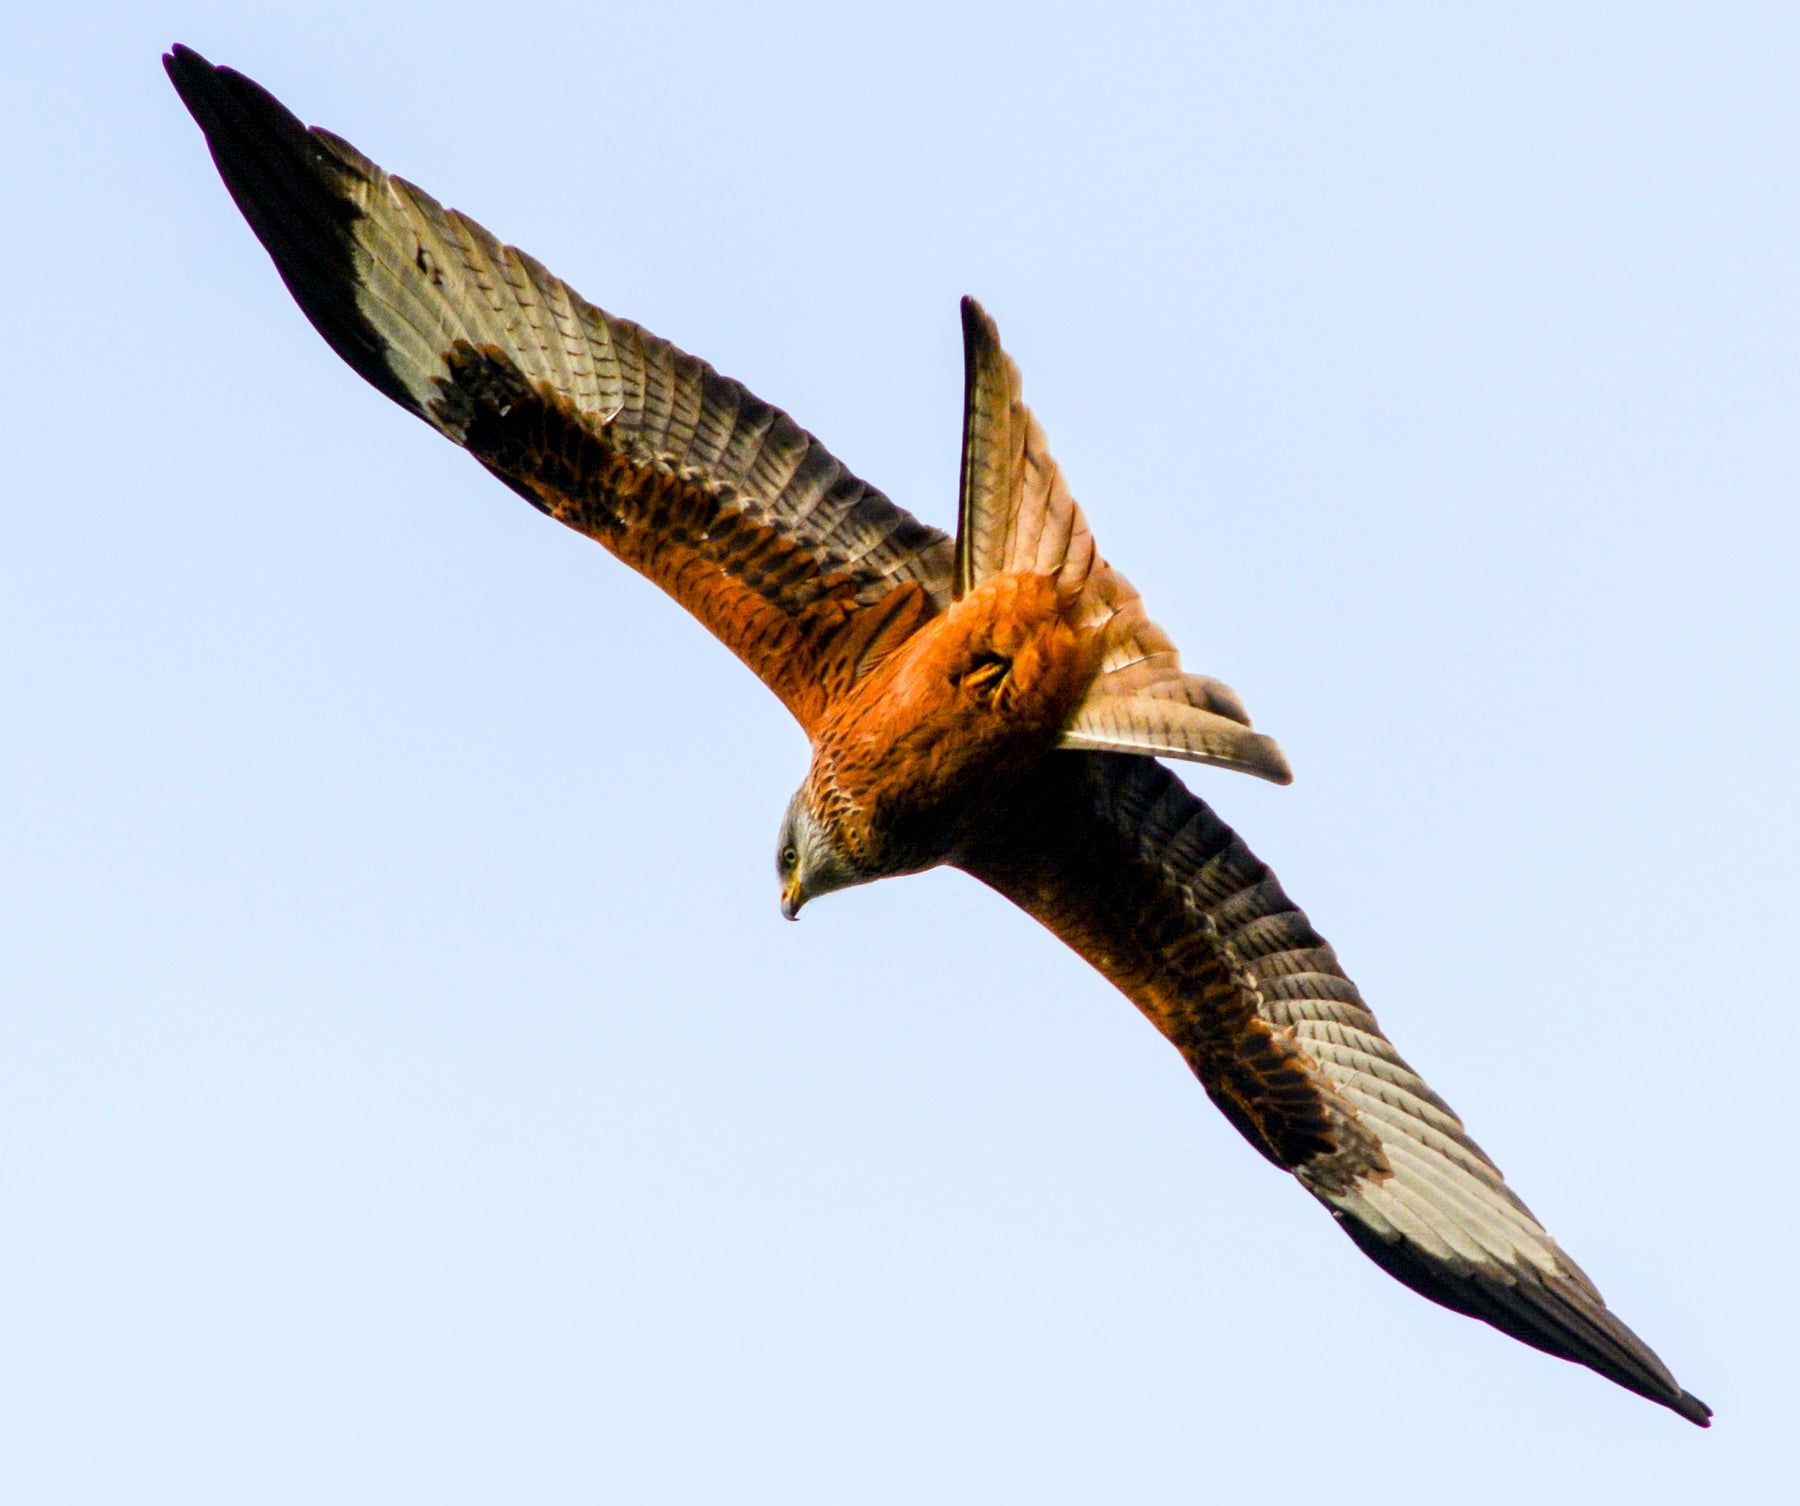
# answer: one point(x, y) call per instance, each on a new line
point(1140, 877)
point(722, 500)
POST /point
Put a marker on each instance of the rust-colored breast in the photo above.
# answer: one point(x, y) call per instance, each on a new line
point(916, 758)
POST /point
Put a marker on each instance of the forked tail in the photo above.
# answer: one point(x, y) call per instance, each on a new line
point(1016, 513)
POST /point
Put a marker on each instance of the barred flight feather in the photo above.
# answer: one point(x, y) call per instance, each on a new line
point(587, 415)
point(1143, 880)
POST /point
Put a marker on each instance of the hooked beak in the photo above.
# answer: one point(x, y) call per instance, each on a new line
point(791, 899)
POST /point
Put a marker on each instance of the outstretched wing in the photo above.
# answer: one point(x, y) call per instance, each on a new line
point(725, 502)
point(1140, 877)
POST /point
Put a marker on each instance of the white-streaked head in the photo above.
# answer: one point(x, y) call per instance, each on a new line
point(807, 862)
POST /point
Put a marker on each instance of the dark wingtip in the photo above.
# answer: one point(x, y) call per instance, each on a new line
point(1554, 1317)
point(1691, 1407)
point(289, 183)
point(181, 63)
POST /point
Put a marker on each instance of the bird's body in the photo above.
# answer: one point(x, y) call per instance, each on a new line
point(912, 766)
point(996, 701)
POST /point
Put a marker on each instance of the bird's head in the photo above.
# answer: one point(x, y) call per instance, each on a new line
point(807, 861)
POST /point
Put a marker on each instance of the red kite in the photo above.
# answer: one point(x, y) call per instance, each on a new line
point(995, 702)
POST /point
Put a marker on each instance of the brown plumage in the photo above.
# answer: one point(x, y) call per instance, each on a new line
point(990, 702)
point(910, 763)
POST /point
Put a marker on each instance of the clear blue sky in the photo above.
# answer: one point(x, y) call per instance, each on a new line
point(408, 1088)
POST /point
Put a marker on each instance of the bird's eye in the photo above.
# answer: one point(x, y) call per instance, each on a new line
point(789, 858)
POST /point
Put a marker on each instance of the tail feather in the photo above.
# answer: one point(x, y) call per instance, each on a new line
point(1016, 514)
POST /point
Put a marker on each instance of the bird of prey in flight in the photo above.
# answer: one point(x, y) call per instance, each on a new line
point(997, 701)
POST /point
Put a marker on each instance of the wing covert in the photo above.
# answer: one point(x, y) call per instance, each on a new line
point(720, 498)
